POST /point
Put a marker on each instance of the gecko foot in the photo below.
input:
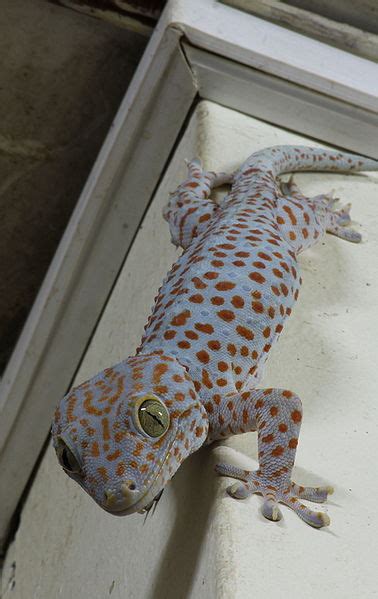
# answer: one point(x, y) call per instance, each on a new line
point(338, 222)
point(275, 492)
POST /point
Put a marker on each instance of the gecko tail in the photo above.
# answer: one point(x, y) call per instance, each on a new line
point(278, 160)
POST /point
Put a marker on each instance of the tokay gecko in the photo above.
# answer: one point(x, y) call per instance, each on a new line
point(123, 434)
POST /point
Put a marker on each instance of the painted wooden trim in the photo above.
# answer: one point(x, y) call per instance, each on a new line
point(344, 36)
point(275, 50)
point(283, 103)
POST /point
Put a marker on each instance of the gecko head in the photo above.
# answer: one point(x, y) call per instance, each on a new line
point(123, 434)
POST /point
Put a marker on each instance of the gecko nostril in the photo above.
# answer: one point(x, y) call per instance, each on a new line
point(127, 488)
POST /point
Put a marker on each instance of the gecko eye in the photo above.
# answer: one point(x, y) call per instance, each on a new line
point(153, 417)
point(67, 459)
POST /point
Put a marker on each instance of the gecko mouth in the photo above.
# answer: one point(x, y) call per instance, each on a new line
point(130, 509)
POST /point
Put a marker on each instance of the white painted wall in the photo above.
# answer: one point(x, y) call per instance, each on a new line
point(200, 542)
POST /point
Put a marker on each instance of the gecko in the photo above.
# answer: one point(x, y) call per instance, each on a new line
point(195, 377)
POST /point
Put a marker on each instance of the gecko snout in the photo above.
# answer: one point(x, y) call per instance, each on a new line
point(123, 499)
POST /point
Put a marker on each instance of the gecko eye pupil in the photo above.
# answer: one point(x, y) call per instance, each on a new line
point(153, 417)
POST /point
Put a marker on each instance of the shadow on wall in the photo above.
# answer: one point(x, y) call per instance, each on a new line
point(185, 565)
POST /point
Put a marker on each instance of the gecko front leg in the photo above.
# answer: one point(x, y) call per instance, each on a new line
point(190, 211)
point(277, 415)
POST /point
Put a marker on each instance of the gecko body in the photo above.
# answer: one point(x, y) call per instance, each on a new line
point(194, 379)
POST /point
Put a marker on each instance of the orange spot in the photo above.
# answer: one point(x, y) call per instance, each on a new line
point(180, 319)
point(95, 449)
point(138, 449)
point(277, 451)
point(206, 379)
point(226, 315)
point(113, 456)
point(222, 366)
point(159, 370)
point(291, 214)
point(121, 468)
point(244, 332)
point(198, 283)
point(203, 356)
point(231, 349)
point(296, 416)
point(256, 276)
point(196, 299)
point(102, 472)
point(257, 307)
point(226, 246)
point(268, 438)
point(284, 289)
point(273, 411)
point(214, 344)
point(184, 344)
point(199, 431)
point(264, 256)
point(293, 443)
point(105, 429)
point(237, 301)
point(204, 328)
point(224, 285)
point(217, 300)
point(282, 427)
point(169, 334)
point(287, 394)
point(209, 407)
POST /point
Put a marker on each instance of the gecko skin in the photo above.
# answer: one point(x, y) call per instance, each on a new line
point(123, 434)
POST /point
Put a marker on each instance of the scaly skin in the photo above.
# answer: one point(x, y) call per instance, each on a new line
point(220, 309)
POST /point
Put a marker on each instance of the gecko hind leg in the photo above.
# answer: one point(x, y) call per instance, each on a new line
point(336, 221)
